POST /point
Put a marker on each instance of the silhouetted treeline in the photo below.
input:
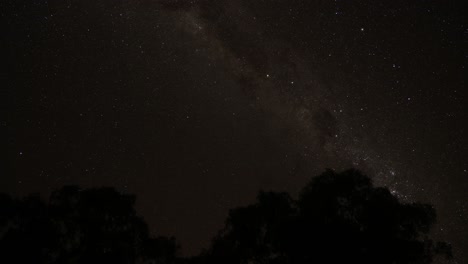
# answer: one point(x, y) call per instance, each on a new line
point(78, 226)
point(338, 218)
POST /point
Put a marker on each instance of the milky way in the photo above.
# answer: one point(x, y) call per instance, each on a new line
point(284, 85)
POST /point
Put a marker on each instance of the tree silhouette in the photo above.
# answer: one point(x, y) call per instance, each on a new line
point(79, 226)
point(338, 218)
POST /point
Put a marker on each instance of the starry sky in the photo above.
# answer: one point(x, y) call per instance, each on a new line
point(194, 106)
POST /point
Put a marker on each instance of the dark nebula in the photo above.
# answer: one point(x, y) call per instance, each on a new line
point(194, 106)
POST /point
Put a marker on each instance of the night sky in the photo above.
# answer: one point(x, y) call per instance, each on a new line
point(194, 106)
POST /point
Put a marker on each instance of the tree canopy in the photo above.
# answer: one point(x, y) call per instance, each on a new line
point(79, 226)
point(337, 218)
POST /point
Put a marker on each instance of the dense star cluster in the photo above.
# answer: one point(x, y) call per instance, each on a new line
point(194, 106)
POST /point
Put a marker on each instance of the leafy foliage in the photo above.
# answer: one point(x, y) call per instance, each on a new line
point(79, 226)
point(338, 218)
